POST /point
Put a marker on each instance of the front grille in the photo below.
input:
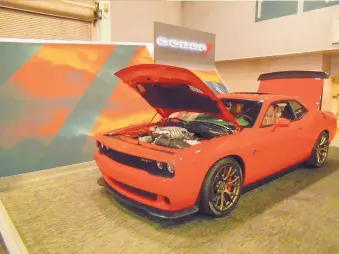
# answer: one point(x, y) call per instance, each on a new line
point(147, 165)
point(146, 194)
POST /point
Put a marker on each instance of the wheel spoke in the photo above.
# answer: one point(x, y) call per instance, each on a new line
point(228, 173)
point(232, 173)
point(232, 184)
point(222, 201)
point(230, 195)
point(321, 156)
point(216, 199)
point(234, 180)
point(323, 149)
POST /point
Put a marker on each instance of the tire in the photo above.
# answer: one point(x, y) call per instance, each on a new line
point(320, 151)
point(217, 186)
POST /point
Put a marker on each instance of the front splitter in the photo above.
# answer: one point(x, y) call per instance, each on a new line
point(150, 210)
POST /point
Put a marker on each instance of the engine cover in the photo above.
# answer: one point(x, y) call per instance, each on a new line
point(170, 132)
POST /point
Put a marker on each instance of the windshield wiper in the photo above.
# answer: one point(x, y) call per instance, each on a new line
point(177, 119)
point(212, 123)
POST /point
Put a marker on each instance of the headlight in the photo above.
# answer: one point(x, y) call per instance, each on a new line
point(170, 168)
point(160, 165)
point(166, 166)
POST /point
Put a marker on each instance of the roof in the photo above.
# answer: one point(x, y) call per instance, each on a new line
point(255, 96)
point(293, 74)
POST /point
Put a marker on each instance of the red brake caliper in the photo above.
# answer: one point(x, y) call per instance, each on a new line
point(228, 187)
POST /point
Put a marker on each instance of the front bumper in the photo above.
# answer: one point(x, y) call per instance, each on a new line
point(150, 210)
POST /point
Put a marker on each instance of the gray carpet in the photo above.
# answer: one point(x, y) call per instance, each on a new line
point(296, 213)
point(2, 246)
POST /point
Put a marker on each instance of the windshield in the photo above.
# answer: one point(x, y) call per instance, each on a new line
point(245, 113)
point(217, 88)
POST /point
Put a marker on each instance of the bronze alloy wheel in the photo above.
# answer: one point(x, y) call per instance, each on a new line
point(222, 187)
point(226, 187)
point(319, 152)
point(322, 149)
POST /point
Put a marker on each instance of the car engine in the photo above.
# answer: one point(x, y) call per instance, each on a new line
point(170, 136)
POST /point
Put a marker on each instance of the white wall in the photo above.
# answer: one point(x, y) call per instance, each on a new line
point(238, 36)
point(132, 21)
point(242, 75)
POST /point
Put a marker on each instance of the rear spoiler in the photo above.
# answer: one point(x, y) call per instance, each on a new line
point(293, 74)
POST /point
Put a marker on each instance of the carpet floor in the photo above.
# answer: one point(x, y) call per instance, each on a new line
point(69, 213)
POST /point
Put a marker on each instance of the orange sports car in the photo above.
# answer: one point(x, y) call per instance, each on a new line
point(208, 146)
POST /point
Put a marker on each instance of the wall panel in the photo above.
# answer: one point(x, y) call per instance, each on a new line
point(19, 24)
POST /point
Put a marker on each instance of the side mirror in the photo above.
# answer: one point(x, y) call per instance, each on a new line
point(282, 122)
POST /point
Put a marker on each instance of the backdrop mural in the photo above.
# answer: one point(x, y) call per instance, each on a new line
point(55, 97)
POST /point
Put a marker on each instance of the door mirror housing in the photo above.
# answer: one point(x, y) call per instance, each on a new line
point(282, 122)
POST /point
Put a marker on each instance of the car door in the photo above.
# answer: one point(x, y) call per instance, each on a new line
point(275, 151)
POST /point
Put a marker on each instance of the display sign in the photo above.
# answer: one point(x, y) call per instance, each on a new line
point(203, 48)
point(184, 47)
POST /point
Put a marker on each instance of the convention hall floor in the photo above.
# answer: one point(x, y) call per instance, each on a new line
point(2, 247)
point(69, 213)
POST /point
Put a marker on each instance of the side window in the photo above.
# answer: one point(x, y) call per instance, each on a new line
point(277, 110)
point(298, 109)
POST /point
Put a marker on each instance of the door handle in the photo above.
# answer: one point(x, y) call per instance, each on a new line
point(300, 128)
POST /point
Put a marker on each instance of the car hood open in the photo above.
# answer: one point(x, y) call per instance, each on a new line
point(170, 89)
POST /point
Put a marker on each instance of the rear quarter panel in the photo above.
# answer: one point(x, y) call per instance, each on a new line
point(321, 121)
point(330, 124)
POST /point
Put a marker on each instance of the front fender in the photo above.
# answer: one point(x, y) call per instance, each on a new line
point(195, 161)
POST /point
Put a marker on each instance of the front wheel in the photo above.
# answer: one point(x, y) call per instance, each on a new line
point(319, 152)
point(222, 188)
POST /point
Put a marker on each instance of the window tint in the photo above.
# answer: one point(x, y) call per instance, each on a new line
point(245, 111)
point(277, 110)
point(298, 109)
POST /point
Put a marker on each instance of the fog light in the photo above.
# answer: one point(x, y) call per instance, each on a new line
point(167, 201)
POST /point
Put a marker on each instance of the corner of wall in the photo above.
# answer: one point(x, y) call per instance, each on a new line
point(101, 31)
point(326, 63)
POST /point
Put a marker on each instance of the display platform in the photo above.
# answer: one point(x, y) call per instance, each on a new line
point(65, 211)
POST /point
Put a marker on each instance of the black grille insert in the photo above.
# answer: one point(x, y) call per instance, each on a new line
point(146, 194)
point(147, 165)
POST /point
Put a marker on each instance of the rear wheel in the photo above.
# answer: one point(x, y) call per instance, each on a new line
point(222, 188)
point(319, 152)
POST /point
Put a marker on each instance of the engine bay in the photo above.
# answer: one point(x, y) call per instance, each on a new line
point(170, 136)
point(176, 133)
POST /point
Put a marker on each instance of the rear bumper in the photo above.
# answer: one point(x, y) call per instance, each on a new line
point(152, 211)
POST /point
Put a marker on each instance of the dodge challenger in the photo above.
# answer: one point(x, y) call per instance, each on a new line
point(208, 146)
